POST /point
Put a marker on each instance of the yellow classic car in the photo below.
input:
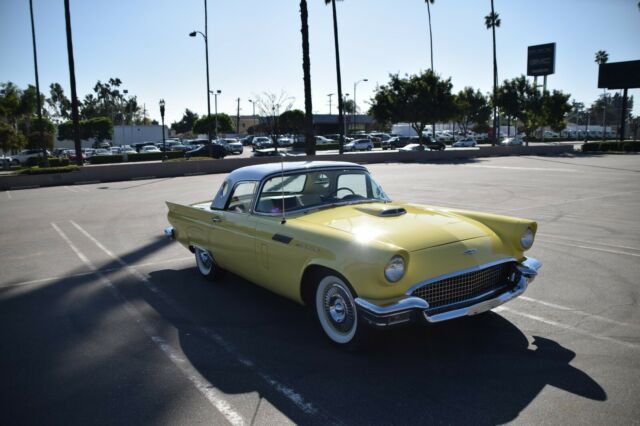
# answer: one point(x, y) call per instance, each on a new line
point(326, 235)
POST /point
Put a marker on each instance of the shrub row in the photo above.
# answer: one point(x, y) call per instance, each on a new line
point(149, 156)
point(36, 170)
point(53, 162)
point(626, 146)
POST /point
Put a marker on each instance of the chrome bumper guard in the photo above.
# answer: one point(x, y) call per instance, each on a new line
point(407, 309)
point(170, 232)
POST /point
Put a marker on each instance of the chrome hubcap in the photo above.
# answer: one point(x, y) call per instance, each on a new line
point(338, 309)
point(205, 260)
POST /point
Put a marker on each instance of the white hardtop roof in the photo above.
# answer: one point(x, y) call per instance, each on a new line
point(259, 171)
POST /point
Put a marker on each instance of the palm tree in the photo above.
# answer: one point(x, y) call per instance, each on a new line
point(72, 77)
point(492, 21)
point(602, 57)
point(306, 69)
point(340, 98)
point(433, 126)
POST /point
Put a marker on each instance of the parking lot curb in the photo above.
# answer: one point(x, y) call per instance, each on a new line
point(157, 170)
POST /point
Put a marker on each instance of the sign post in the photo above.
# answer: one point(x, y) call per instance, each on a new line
point(620, 75)
point(541, 61)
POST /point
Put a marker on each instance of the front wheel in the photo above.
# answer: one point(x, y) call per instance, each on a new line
point(336, 312)
point(206, 265)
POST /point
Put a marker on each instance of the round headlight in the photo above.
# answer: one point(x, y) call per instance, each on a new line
point(526, 241)
point(395, 269)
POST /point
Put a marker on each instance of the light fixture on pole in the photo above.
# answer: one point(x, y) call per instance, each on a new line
point(355, 105)
point(329, 96)
point(164, 146)
point(206, 54)
point(253, 103)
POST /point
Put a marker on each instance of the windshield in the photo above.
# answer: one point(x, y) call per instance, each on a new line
point(316, 189)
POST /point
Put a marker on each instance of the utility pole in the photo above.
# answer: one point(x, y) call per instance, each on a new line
point(238, 118)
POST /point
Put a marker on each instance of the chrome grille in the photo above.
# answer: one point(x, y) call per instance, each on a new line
point(467, 286)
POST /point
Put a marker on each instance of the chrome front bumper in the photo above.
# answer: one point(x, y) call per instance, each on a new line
point(410, 308)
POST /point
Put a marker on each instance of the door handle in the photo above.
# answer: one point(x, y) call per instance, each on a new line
point(216, 219)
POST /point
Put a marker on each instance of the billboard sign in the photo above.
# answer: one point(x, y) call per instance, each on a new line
point(541, 59)
point(619, 75)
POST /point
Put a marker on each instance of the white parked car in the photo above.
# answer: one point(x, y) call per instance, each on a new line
point(412, 147)
point(284, 141)
point(102, 151)
point(359, 145)
point(321, 140)
point(233, 146)
point(24, 155)
point(149, 148)
point(465, 142)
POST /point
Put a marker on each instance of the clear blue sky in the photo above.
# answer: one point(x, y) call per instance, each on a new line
point(255, 45)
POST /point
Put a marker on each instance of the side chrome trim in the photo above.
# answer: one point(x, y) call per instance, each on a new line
point(456, 273)
point(400, 305)
point(170, 232)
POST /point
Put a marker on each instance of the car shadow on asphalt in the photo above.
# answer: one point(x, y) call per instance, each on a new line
point(480, 370)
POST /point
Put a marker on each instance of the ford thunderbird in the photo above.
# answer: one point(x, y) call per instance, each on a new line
point(326, 235)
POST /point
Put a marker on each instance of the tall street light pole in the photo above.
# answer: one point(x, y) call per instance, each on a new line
point(206, 55)
point(253, 104)
point(45, 158)
point(355, 104)
point(164, 146)
point(215, 111)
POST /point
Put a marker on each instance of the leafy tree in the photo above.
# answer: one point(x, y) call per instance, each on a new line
point(291, 121)
point(472, 108)
point(415, 99)
point(349, 106)
point(556, 108)
point(612, 104)
point(306, 70)
point(100, 128)
point(202, 125)
point(35, 140)
point(491, 21)
point(10, 139)
point(59, 104)
point(186, 122)
point(270, 106)
point(509, 99)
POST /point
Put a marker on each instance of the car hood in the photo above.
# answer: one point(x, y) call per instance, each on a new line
point(405, 226)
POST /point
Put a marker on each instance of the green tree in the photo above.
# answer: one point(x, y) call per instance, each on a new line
point(291, 121)
point(602, 57)
point(59, 104)
point(10, 139)
point(306, 71)
point(415, 99)
point(186, 122)
point(492, 21)
point(203, 124)
point(472, 108)
point(556, 109)
point(349, 106)
point(99, 128)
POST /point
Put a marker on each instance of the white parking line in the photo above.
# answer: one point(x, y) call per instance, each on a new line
point(9, 194)
point(207, 389)
point(578, 312)
point(541, 169)
point(288, 392)
point(560, 203)
point(590, 248)
point(587, 242)
point(567, 327)
point(108, 270)
point(69, 189)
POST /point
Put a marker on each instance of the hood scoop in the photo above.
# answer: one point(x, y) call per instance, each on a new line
point(383, 210)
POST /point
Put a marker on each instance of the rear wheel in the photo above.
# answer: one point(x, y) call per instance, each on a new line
point(336, 312)
point(207, 265)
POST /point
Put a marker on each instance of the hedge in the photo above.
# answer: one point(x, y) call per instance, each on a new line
point(47, 170)
point(626, 146)
point(53, 162)
point(149, 156)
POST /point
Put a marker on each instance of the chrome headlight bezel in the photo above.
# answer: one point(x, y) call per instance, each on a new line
point(526, 240)
point(395, 269)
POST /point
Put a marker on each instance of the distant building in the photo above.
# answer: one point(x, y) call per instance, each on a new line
point(124, 135)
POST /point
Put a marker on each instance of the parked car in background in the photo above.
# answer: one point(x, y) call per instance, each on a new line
point(465, 142)
point(511, 141)
point(234, 146)
point(285, 141)
point(325, 235)
point(247, 140)
point(148, 149)
point(412, 147)
point(321, 140)
point(102, 151)
point(22, 157)
point(212, 150)
point(379, 136)
point(269, 152)
point(398, 142)
point(359, 145)
point(262, 142)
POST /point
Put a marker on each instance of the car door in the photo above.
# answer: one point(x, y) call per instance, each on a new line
point(232, 231)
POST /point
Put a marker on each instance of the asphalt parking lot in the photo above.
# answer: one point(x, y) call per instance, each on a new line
point(104, 321)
